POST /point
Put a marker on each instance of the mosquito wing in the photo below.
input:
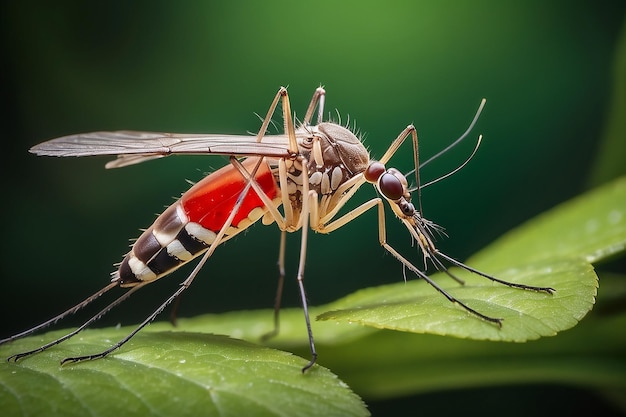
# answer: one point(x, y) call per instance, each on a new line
point(133, 147)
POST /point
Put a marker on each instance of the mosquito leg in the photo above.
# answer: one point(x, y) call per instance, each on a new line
point(349, 216)
point(308, 196)
point(176, 294)
point(174, 312)
point(382, 236)
point(340, 197)
point(186, 283)
point(393, 148)
point(318, 96)
point(411, 130)
point(61, 316)
point(442, 268)
point(281, 95)
point(268, 203)
point(279, 289)
point(286, 221)
point(129, 336)
point(453, 261)
point(96, 317)
point(278, 218)
point(426, 278)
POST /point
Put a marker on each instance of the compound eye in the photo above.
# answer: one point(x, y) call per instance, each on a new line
point(374, 171)
point(391, 186)
point(399, 175)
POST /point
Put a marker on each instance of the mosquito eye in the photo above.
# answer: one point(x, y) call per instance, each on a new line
point(399, 175)
point(390, 186)
point(374, 171)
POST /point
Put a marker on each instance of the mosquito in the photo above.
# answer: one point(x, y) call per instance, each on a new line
point(312, 171)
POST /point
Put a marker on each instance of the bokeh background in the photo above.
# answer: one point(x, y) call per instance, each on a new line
point(547, 70)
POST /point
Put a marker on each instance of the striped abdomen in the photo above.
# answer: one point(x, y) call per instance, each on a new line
point(189, 226)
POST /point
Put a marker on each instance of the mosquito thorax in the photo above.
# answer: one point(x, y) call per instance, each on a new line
point(334, 155)
point(342, 147)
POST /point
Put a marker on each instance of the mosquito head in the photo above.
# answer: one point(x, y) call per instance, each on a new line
point(392, 185)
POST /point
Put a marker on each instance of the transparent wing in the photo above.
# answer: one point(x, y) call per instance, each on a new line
point(132, 147)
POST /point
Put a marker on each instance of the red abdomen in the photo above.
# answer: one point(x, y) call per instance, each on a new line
point(210, 201)
point(189, 226)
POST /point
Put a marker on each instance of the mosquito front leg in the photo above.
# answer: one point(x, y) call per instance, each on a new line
point(377, 202)
point(348, 217)
point(382, 237)
point(547, 290)
point(393, 148)
point(318, 96)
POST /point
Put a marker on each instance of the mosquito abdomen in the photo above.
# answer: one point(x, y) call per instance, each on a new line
point(188, 227)
point(169, 243)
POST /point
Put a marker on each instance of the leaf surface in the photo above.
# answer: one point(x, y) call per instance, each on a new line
point(553, 250)
point(168, 374)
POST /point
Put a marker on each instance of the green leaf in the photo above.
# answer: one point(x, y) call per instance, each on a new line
point(527, 315)
point(389, 364)
point(168, 373)
point(552, 250)
point(160, 372)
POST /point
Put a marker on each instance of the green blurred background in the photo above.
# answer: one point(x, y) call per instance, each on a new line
point(546, 69)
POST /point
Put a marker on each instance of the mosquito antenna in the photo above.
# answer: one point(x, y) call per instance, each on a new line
point(463, 136)
point(457, 169)
point(456, 142)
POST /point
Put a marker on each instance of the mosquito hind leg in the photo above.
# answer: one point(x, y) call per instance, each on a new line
point(185, 284)
point(174, 312)
point(61, 316)
point(279, 288)
point(61, 339)
point(119, 344)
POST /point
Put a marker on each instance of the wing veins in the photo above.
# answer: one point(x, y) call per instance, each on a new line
point(133, 147)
